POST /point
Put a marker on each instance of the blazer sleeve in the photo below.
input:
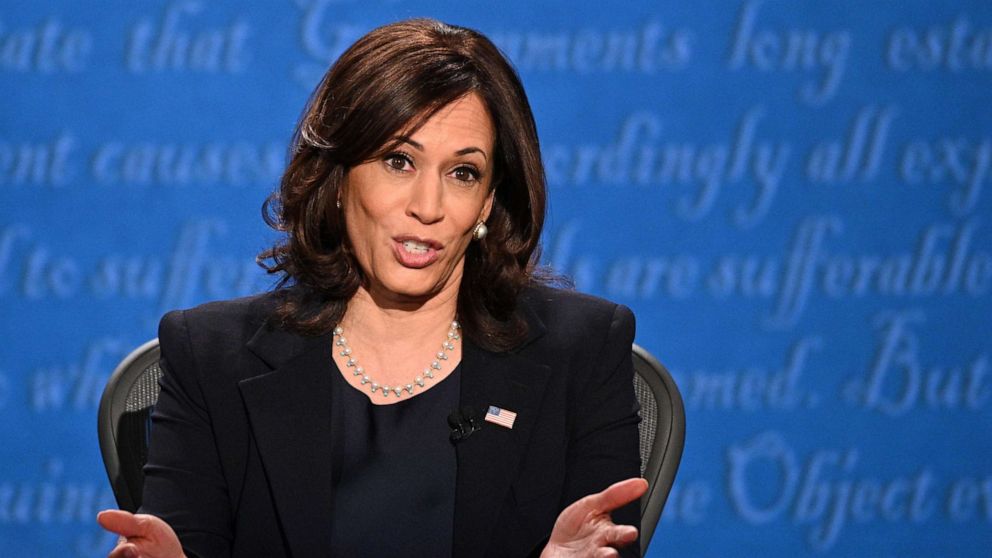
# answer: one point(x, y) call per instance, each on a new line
point(604, 445)
point(184, 481)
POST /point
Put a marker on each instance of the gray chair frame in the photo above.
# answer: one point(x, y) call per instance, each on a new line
point(662, 431)
point(124, 420)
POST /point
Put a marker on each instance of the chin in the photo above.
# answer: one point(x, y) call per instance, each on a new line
point(415, 284)
point(403, 285)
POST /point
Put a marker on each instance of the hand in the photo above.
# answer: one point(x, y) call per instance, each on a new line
point(585, 528)
point(142, 536)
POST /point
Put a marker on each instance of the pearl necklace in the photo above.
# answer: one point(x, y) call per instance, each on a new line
point(428, 373)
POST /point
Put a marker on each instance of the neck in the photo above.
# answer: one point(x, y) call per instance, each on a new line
point(386, 338)
point(381, 318)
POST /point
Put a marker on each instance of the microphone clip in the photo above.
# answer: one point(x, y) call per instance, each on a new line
point(463, 423)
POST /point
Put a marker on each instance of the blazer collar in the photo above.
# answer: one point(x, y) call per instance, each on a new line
point(488, 460)
point(289, 414)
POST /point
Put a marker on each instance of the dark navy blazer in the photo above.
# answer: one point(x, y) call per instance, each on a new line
point(240, 453)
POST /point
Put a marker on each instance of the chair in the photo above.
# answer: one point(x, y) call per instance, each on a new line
point(662, 432)
point(125, 417)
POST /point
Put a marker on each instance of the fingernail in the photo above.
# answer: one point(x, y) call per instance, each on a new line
point(130, 552)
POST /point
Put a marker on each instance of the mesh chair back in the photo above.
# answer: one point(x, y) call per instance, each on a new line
point(662, 432)
point(124, 419)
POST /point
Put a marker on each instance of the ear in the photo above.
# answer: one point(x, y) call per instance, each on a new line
point(487, 207)
point(343, 185)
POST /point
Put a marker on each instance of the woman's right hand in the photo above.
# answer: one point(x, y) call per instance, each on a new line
point(142, 536)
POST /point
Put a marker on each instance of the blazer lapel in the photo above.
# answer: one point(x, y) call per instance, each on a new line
point(488, 459)
point(289, 413)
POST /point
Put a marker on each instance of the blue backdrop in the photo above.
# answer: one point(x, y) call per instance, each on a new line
point(790, 195)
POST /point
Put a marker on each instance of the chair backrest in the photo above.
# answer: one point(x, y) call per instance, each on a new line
point(124, 419)
point(662, 432)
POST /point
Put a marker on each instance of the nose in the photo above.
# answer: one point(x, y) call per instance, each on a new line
point(426, 196)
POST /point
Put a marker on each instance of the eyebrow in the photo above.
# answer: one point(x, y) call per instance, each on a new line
point(463, 151)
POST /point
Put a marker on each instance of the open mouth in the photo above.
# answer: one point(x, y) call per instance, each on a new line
point(416, 252)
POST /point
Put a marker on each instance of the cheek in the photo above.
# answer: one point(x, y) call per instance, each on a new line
point(362, 233)
point(461, 247)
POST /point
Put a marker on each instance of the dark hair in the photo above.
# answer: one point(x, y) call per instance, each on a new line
point(391, 81)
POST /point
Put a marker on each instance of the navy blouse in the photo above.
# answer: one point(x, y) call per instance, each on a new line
point(393, 471)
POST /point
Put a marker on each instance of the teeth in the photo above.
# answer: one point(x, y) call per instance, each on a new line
point(415, 247)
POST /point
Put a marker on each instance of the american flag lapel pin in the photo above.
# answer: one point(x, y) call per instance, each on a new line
point(501, 417)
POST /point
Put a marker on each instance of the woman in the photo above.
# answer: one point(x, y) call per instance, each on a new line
point(410, 388)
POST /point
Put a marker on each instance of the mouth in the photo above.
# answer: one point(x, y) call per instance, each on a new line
point(416, 252)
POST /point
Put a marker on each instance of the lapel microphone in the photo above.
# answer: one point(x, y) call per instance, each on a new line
point(463, 423)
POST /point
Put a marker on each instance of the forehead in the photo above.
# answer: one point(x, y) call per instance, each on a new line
point(465, 122)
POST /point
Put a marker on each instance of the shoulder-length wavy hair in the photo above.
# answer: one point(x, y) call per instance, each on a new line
point(390, 82)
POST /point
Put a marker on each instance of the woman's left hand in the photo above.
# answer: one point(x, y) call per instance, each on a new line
point(586, 529)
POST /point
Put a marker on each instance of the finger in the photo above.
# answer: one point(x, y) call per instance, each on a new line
point(620, 535)
point(121, 522)
point(126, 550)
point(606, 552)
point(618, 494)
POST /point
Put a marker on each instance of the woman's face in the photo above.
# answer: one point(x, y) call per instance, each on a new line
point(410, 214)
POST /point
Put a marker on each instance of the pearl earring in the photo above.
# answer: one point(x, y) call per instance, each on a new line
point(480, 231)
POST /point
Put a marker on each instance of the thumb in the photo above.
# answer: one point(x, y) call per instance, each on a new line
point(122, 522)
point(618, 494)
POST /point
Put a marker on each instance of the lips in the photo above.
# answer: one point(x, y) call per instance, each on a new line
point(415, 252)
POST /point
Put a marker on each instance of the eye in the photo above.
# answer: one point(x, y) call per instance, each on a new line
point(466, 174)
point(398, 161)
